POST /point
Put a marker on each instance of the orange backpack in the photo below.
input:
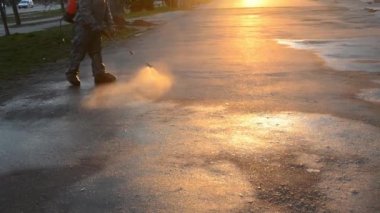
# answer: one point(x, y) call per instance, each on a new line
point(71, 7)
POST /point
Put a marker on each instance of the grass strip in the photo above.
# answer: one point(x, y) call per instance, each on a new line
point(30, 16)
point(21, 54)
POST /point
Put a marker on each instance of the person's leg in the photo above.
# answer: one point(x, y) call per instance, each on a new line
point(94, 52)
point(78, 52)
point(98, 68)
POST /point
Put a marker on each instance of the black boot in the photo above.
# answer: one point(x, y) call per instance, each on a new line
point(104, 78)
point(73, 78)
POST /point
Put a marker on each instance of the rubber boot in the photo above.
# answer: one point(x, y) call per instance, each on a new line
point(98, 70)
point(104, 78)
point(73, 78)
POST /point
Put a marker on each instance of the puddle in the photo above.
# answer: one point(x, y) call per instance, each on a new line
point(265, 3)
point(189, 148)
point(194, 187)
point(169, 156)
point(358, 54)
point(255, 132)
point(370, 95)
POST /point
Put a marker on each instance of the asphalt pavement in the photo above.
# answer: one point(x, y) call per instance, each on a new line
point(243, 109)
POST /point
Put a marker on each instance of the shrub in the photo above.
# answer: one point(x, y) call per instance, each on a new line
point(139, 5)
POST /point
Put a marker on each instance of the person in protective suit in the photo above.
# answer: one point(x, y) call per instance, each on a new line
point(93, 18)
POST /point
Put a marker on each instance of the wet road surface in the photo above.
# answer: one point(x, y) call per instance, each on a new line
point(234, 116)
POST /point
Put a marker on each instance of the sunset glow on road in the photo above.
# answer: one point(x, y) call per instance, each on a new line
point(270, 3)
point(252, 3)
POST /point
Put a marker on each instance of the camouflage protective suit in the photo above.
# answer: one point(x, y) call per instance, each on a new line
point(93, 17)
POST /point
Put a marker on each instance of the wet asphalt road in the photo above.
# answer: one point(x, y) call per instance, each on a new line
point(227, 120)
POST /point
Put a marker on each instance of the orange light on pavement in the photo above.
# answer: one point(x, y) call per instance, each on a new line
point(252, 3)
point(274, 3)
point(147, 85)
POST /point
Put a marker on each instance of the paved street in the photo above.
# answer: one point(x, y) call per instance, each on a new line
point(250, 106)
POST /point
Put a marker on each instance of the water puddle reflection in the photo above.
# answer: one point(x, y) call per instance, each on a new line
point(266, 3)
point(370, 95)
point(358, 54)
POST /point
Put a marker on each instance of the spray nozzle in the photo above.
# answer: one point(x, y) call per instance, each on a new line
point(148, 65)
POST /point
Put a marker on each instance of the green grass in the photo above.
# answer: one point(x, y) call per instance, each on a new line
point(21, 53)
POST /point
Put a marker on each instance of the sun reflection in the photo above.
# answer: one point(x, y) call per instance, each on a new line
point(244, 131)
point(251, 130)
point(252, 3)
point(273, 3)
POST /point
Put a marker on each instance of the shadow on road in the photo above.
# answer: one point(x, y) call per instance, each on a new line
point(31, 190)
point(58, 188)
